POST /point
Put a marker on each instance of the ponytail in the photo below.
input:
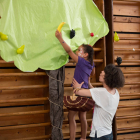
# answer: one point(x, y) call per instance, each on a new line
point(88, 49)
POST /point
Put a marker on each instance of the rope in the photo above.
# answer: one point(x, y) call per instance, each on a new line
point(54, 78)
point(54, 103)
point(57, 105)
point(56, 127)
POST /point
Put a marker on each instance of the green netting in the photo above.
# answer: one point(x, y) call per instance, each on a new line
point(33, 23)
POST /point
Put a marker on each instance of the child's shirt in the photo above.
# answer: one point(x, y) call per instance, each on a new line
point(82, 71)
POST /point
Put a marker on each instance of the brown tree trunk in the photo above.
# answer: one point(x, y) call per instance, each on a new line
point(56, 93)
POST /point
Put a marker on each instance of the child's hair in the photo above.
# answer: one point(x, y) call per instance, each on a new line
point(114, 77)
point(88, 49)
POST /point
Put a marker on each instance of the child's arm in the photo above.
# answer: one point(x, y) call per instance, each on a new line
point(89, 84)
point(66, 47)
point(92, 73)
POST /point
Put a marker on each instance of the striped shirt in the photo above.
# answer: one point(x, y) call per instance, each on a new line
point(105, 108)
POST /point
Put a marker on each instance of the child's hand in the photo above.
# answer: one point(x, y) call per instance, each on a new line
point(58, 34)
point(75, 84)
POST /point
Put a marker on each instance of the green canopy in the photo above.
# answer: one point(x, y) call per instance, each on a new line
point(33, 23)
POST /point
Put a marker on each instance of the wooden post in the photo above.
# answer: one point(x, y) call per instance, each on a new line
point(110, 48)
point(109, 37)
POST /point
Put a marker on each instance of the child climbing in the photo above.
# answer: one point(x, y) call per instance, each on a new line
point(84, 67)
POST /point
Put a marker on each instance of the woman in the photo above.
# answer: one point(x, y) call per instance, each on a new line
point(106, 101)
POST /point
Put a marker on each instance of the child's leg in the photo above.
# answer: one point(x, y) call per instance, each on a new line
point(72, 124)
point(82, 117)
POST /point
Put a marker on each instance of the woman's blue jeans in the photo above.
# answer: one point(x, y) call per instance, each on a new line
point(106, 137)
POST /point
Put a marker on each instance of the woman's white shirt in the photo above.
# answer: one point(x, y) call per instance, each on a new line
point(105, 108)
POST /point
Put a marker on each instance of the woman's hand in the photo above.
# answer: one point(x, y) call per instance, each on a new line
point(58, 34)
point(75, 84)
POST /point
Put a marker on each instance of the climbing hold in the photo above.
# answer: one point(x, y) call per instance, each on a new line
point(91, 34)
point(119, 60)
point(3, 36)
point(116, 37)
point(72, 33)
point(21, 49)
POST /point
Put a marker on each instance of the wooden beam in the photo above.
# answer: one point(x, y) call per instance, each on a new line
point(131, 136)
point(126, 19)
point(130, 64)
point(35, 138)
point(127, 117)
point(77, 121)
point(25, 113)
point(126, 52)
point(130, 94)
point(126, 0)
point(129, 38)
point(25, 126)
point(78, 135)
point(24, 87)
point(132, 83)
point(72, 63)
point(131, 139)
point(23, 74)
point(130, 61)
point(128, 106)
point(97, 49)
point(130, 72)
point(127, 128)
point(97, 84)
point(126, 27)
point(24, 100)
point(126, 3)
point(126, 49)
point(93, 84)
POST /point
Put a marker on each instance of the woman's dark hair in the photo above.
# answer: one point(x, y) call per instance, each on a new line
point(114, 77)
point(88, 49)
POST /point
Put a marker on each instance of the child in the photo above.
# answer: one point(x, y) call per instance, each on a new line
point(106, 101)
point(84, 67)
